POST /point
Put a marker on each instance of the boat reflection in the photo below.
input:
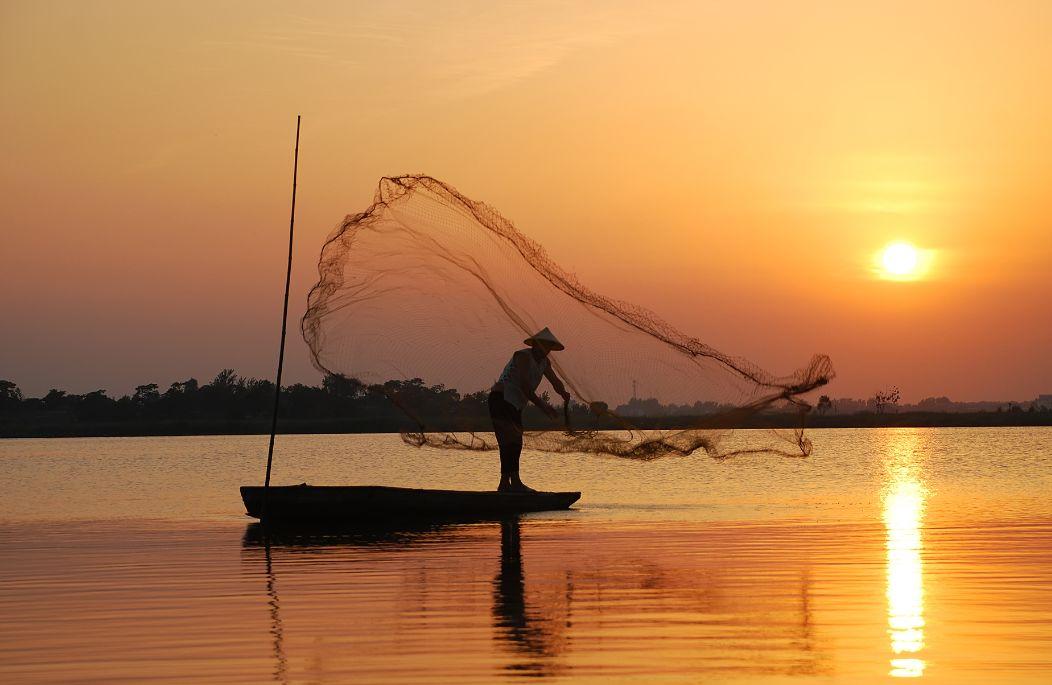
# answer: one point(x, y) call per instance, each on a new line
point(560, 600)
point(904, 497)
point(533, 630)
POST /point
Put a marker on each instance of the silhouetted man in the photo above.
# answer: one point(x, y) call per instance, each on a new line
point(516, 386)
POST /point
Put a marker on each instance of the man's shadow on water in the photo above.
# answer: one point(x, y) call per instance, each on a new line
point(532, 632)
point(527, 631)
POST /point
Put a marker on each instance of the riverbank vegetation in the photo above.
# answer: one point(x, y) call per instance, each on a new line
point(231, 404)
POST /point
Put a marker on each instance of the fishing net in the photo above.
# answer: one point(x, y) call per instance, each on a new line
point(424, 296)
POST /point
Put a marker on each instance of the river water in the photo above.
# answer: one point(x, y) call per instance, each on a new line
point(889, 553)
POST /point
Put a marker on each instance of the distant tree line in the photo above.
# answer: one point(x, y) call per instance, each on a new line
point(232, 397)
point(230, 403)
point(888, 401)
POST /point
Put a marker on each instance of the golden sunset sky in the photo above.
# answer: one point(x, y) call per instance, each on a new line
point(736, 167)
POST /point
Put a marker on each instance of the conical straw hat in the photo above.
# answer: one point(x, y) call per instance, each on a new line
point(545, 336)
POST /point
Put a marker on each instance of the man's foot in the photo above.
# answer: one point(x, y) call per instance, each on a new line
point(513, 484)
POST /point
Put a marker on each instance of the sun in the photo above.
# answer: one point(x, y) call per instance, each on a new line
point(900, 260)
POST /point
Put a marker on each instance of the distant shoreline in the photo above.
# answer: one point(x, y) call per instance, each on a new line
point(188, 427)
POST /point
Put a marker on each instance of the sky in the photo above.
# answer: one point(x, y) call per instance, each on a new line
point(735, 167)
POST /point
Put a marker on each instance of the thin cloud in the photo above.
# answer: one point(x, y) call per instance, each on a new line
point(456, 53)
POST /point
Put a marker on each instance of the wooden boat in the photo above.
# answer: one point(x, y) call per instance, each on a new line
point(358, 504)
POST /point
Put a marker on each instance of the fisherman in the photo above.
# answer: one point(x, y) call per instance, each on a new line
point(516, 386)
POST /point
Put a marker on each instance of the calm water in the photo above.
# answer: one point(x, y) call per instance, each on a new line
point(919, 553)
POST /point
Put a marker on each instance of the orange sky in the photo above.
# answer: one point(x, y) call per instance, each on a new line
point(732, 166)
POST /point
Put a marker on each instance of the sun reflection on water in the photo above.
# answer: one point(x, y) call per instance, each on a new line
point(903, 516)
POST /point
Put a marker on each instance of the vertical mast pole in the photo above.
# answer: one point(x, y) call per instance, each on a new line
point(284, 322)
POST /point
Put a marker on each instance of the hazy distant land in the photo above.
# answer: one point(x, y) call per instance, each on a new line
point(230, 404)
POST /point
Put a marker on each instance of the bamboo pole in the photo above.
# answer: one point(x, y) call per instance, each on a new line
point(284, 323)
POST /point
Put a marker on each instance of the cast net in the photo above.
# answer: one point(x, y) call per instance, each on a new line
point(424, 296)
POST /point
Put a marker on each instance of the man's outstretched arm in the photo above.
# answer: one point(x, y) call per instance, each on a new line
point(521, 362)
point(557, 383)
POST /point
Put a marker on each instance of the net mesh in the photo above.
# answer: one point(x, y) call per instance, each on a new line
point(428, 284)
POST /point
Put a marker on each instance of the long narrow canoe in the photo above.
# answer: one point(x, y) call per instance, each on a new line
point(361, 504)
